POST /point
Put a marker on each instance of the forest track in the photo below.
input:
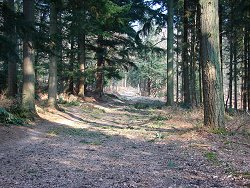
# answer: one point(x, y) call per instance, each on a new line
point(121, 143)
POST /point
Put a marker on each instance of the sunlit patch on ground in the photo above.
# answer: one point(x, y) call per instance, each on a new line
point(120, 144)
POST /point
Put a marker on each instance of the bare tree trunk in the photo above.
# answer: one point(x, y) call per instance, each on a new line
point(198, 29)
point(28, 93)
point(212, 83)
point(248, 75)
point(186, 88)
point(193, 62)
point(235, 77)
point(170, 54)
point(177, 65)
point(148, 87)
point(230, 89)
point(81, 62)
point(220, 30)
point(244, 92)
point(12, 55)
point(52, 103)
point(100, 66)
point(71, 66)
point(60, 65)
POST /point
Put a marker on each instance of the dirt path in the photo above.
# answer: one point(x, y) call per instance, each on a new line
point(122, 144)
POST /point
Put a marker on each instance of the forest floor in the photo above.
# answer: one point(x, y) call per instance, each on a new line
point(126, 142)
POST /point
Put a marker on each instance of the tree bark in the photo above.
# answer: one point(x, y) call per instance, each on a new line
point(170, 54)
point(177, 65)
point(12, 55)
point(198, 30)
point(81, 62)
point(248, 75)
point(245, 74)
point(210, 57)
point(193, 60)
point(230, 92)
point(235, 76)
point(28, 91)
point(100, 66)
point(52, 103)
point(71, 66)
point(186, 89)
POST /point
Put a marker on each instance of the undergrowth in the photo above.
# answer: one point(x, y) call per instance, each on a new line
point(68, 104)
point(9, 118)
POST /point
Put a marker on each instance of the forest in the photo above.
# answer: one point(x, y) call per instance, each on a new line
point(124, 93)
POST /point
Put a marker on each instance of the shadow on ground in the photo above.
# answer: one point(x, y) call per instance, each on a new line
point(78, 152)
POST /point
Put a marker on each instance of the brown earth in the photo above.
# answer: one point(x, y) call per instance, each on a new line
point(117, 145)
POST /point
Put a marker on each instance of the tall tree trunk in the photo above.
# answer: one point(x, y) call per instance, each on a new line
point(100, 66)
point(53, 57)
point(61, 64)
point(193, 61)
point(12, 56)
point(245, 73)
point(235, 76)
point(186, 89)
point(81, 62)
point(212, 82)
point(230, 89)
point(220, 30)
point(248, 75)
point(198, 30)
point(28, 91)
point(177, 65)
point(170, 54)
point(71, 66)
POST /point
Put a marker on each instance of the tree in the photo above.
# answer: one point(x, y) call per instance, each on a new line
point(100, 67)
point(210, 57)
point(9, 14)
point(186, 89)
point(170, 54)
point(52, 93)
point(28, 91)
point(82, 63)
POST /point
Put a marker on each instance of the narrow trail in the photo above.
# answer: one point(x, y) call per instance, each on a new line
point(123, 143)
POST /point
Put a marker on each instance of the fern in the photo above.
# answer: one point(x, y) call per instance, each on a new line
point(8, 118)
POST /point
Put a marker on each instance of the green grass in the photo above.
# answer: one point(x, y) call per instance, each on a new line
point(96, 142)
point(171, 164)
point(211, 156)
point(141, 106)
point(159, 135)
point(93, 110)
point(245, 175)
point(72, 103)
point(220, 131)
point(160, 118)
point(68, 104)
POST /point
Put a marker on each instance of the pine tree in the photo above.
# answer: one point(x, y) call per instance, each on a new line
point(52, 93)
point(28, 91)
point(210, 57)
point(170, 54)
